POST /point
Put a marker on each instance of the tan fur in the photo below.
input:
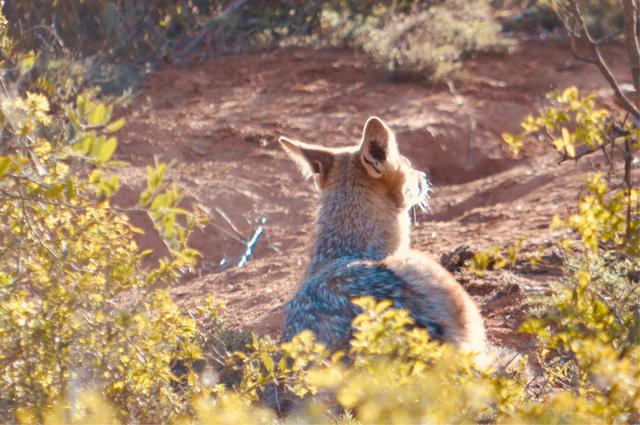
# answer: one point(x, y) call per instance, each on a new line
point(463, 324)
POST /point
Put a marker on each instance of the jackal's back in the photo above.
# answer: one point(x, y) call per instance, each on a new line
point(324, 304)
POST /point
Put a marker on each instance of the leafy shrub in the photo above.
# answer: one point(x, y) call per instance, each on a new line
point(124, 39)
point(121, 28)
point(602, 18)
point(576, 127)
point(589, 331)
point(109, 45)
point(429, 43)
point(395, 374)
point(77, 308)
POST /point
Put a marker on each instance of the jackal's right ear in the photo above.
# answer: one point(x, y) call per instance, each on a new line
point(311, 160)
point(379, 150)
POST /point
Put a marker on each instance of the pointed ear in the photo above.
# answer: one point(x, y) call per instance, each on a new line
point(379, 150)
point(311, 160)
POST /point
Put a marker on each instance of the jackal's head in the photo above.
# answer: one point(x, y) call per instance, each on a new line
point(366, 190)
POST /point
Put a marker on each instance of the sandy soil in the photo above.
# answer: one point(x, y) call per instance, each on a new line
point(219, 120)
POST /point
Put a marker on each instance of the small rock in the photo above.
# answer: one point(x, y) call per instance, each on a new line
point(455, 260)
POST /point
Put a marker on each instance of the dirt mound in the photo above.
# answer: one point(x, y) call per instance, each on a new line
point(220, 119)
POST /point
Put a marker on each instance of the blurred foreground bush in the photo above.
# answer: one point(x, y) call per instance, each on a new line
point(396, 375)
point(77, 309)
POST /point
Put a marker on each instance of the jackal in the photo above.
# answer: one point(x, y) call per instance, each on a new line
point(362, 246)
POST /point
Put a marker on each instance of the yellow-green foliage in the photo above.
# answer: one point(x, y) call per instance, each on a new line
point(589, 336)
point(603, 17)
point(77, 309)
point(395, 374)
point(589, 331)
point(576, 127)
point(606, 216)
point(123, 29)
point(497, 258)
point(570, 123)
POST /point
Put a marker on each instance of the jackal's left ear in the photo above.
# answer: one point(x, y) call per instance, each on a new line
point(311, 160)
point(379, 150)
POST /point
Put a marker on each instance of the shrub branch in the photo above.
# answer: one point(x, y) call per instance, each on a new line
point(576, 24)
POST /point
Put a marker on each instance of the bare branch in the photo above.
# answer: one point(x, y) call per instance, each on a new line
point(233, 8)
point(609, 37)
point(632, 39)
point(598, 60)
point(574, 49)
point(580, 152)
point(612, 136)
point(228, 12)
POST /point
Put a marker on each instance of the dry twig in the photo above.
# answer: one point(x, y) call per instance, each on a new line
point(575, 25)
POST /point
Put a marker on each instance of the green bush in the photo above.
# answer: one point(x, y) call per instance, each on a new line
point(428, 42)
point(121, 29)
point(589, 331)
point(576, 127)
point(124, 39)
point(109, 45)
point(603, 17)
point(588, 350)
point(78, 311)
point(396, 375)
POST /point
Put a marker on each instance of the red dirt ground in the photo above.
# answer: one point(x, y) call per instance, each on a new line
point(220, 121)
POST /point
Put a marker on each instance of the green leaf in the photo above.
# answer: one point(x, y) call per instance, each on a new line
point(108, 186)
point(95, 176)
point(83, 104)
point(115, 126)
point(514, 141)
point(530, 124)
point(558, 144)
point(282, 364)
point(96, 147)
point(74, 119)
point(27, 62)
point(70, 192)
point(107, 149)
point(5, 163)
point(267, 361)
point(569, 94)
point(54, 190)
point(98, 115)
point(567, 141)
point(116, 163)
point(84, 145)
point(145, 198)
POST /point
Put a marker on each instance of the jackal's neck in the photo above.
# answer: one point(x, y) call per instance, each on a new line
point(350, 225)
